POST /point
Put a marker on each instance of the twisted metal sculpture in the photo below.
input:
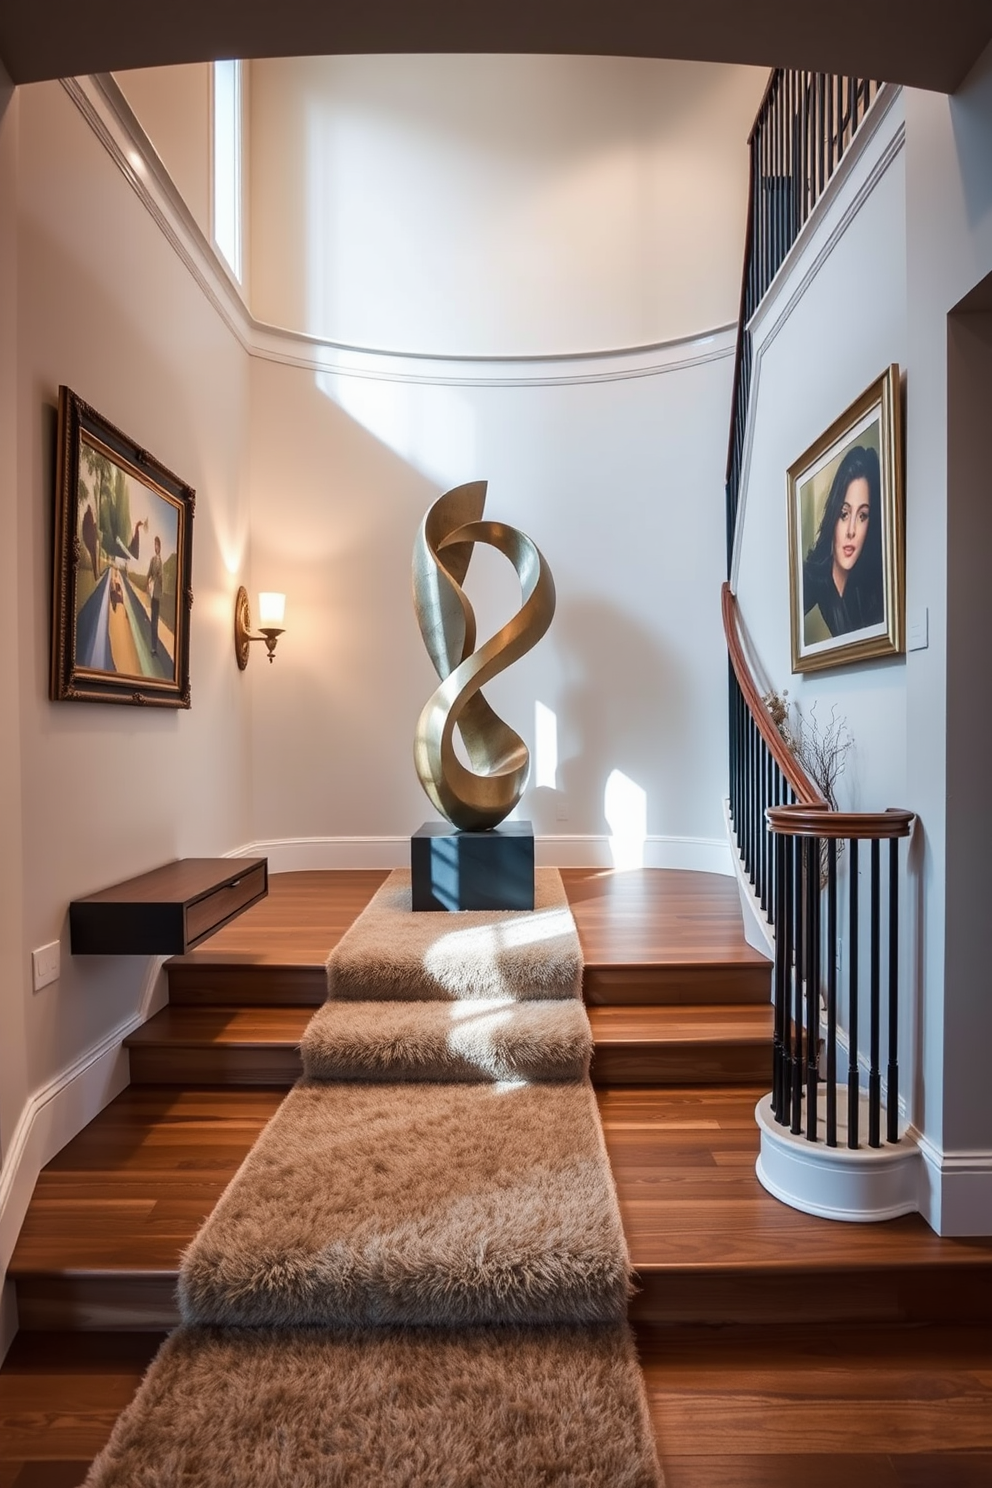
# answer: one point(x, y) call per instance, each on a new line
point(477, 798)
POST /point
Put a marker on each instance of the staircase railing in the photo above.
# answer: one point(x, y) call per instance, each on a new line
point(804, 126)
point(789, 840)
point(763, 770)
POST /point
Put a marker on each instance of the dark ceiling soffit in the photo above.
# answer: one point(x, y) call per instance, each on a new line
point(918, 42)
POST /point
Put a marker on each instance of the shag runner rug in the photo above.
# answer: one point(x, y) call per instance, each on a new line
point(418, 1276)
point(470, 1040)
point(394, 954)
point(398, 1408)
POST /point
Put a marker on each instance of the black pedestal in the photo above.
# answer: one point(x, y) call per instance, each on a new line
point(473, 870)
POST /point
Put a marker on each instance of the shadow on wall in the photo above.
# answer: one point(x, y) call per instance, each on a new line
point(621, 709)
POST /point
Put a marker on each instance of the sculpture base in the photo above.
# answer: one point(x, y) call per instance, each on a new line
point(455, 870)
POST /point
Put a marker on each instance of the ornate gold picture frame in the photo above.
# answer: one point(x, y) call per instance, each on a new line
point(122, 560)
point(846, 544)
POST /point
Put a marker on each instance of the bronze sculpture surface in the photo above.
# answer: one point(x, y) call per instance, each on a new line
point(476, 798)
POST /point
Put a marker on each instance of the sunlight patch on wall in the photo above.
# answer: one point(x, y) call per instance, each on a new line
point(545, 746)
point(625, 806)
point(431, 428)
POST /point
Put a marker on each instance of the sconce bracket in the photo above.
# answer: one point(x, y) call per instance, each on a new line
point(242, 627)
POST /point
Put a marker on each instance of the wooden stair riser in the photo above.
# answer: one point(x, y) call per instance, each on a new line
point(191, 985)
point(112, 1301)
point(676, 986)
point(122, 1301)
point(224, 1064)
point(855, 1296)
point(680, 1064)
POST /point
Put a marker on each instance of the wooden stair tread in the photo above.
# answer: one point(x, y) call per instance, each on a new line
point(683, 1163)
point(656, 936)
point(130, 1191)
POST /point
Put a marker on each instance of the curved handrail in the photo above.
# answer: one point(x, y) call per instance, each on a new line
point(806, 792)
point(806, 821)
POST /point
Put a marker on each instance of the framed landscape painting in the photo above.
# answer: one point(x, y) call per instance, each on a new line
point(123, 544)
point(846, 557)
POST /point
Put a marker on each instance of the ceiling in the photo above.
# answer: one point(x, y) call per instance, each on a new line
point(920, 42)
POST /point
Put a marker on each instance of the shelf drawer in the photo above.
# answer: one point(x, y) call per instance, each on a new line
point(206, 915)
point(168, 911)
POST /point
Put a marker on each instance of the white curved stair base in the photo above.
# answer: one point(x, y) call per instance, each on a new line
point(858, 1186)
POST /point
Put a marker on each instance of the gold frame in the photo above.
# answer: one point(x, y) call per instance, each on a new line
point(887, 636)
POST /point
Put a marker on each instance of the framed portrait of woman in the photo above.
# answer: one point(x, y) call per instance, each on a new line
point(846, 555)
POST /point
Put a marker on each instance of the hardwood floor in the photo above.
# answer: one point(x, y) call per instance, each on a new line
point(777, 1408)
point(778, 1349)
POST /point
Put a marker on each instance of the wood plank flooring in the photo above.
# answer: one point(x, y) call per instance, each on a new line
point(778, 1349)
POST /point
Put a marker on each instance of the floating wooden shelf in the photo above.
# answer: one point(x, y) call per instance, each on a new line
point(168, 911)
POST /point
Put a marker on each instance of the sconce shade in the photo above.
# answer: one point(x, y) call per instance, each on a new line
point(271, 609)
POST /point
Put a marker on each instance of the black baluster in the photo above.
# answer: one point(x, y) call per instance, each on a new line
point(780, 983)
point(853, 1073)
point(892, 1075)
point(830, 126)
point(784, 936)
point(874, 1075)
point(831, 992)
point(797, 1014)
point(812, 979)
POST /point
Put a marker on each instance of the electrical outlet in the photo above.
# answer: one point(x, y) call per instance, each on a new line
point(561, 807)
point(46, 963)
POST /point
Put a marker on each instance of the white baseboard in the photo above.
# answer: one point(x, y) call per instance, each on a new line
point(955, 1190)
point(297, 854)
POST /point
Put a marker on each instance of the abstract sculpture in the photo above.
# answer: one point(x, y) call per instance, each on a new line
point(478, 798)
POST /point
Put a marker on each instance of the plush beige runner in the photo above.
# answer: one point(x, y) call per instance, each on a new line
point(422, 1204)
point(418, 1276)
point(485, 1408)
point(467, 1040)
point(395, 954)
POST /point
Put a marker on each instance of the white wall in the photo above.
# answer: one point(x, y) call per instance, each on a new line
point(618, 480)
point(172, 105)
point(498, 205)
point(105, 306)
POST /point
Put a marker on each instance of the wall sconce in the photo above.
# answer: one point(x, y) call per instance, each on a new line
point(271, 612)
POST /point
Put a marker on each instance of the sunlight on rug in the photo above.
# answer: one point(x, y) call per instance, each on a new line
point(394, 954)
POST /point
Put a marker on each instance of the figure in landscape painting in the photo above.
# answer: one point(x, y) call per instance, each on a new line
point(125, 594)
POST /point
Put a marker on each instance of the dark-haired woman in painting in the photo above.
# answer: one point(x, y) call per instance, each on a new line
point(842, 572)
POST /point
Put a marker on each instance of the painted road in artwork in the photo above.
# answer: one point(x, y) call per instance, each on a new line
point(114, 631)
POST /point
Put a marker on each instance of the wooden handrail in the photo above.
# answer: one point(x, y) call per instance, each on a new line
point(806, 821)
point(806, 792)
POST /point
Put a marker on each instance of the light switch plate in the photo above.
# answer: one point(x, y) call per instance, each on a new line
point(918, 629)
point(46, 963)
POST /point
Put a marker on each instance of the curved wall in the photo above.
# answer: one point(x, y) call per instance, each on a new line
point(498, 205)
